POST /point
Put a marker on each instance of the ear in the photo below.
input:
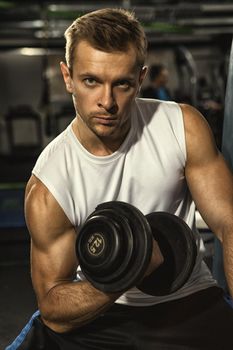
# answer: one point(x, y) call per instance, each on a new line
point(142, 74)
point(66, 76)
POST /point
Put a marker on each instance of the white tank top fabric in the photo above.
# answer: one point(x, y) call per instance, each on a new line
point(147, 171)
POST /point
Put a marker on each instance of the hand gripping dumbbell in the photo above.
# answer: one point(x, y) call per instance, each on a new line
point(114, 248)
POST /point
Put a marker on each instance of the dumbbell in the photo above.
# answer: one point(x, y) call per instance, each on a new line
point(114, 248)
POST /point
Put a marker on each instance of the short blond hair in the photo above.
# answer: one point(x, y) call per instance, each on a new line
point(107, 30)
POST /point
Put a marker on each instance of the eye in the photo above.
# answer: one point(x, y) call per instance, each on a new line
point(124, 84)
point(90, 81)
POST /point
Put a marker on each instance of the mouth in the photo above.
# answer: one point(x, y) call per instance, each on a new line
point(105, 120)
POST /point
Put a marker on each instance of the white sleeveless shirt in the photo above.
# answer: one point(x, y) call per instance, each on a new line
point(147, 171)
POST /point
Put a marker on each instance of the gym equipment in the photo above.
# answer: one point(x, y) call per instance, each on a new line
point(178, 246)
point(114, 248)
point(29, 143)
point(187, 70)
point(63, 118)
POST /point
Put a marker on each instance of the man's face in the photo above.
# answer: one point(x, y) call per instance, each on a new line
point(104, 85)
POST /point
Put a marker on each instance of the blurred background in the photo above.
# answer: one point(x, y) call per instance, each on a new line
point(192, 39)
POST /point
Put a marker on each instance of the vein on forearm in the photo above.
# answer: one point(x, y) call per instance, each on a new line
point(75, 303)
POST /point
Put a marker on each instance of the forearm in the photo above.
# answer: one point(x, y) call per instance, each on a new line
point(71, 305)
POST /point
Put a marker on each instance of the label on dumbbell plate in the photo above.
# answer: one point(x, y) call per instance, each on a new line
point(96, 244)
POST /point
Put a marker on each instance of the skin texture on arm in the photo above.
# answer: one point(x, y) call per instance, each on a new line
point(210, 182)
point(64, 304)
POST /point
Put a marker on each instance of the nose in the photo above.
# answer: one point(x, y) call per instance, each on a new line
point(107, 100)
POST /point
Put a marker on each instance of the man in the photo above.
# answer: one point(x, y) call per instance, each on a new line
point(157, 89)
point(154, 155)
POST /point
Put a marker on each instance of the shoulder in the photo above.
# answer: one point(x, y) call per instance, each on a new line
point(192, 117)
point(199, 137)
point(37, 193)
point(194, 122)
point(164, 109)
point(36, 190)
point(158, 113)
point(56, 144)
point(42, 212)
point(54, 151)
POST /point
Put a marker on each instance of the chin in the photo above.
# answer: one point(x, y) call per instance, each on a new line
point(105, 131)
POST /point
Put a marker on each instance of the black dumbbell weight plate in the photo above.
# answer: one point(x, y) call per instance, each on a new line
point(98, 245)
point(178, 246)
point(125, 249)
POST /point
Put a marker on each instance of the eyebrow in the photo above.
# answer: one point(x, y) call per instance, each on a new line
point(130, 78)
